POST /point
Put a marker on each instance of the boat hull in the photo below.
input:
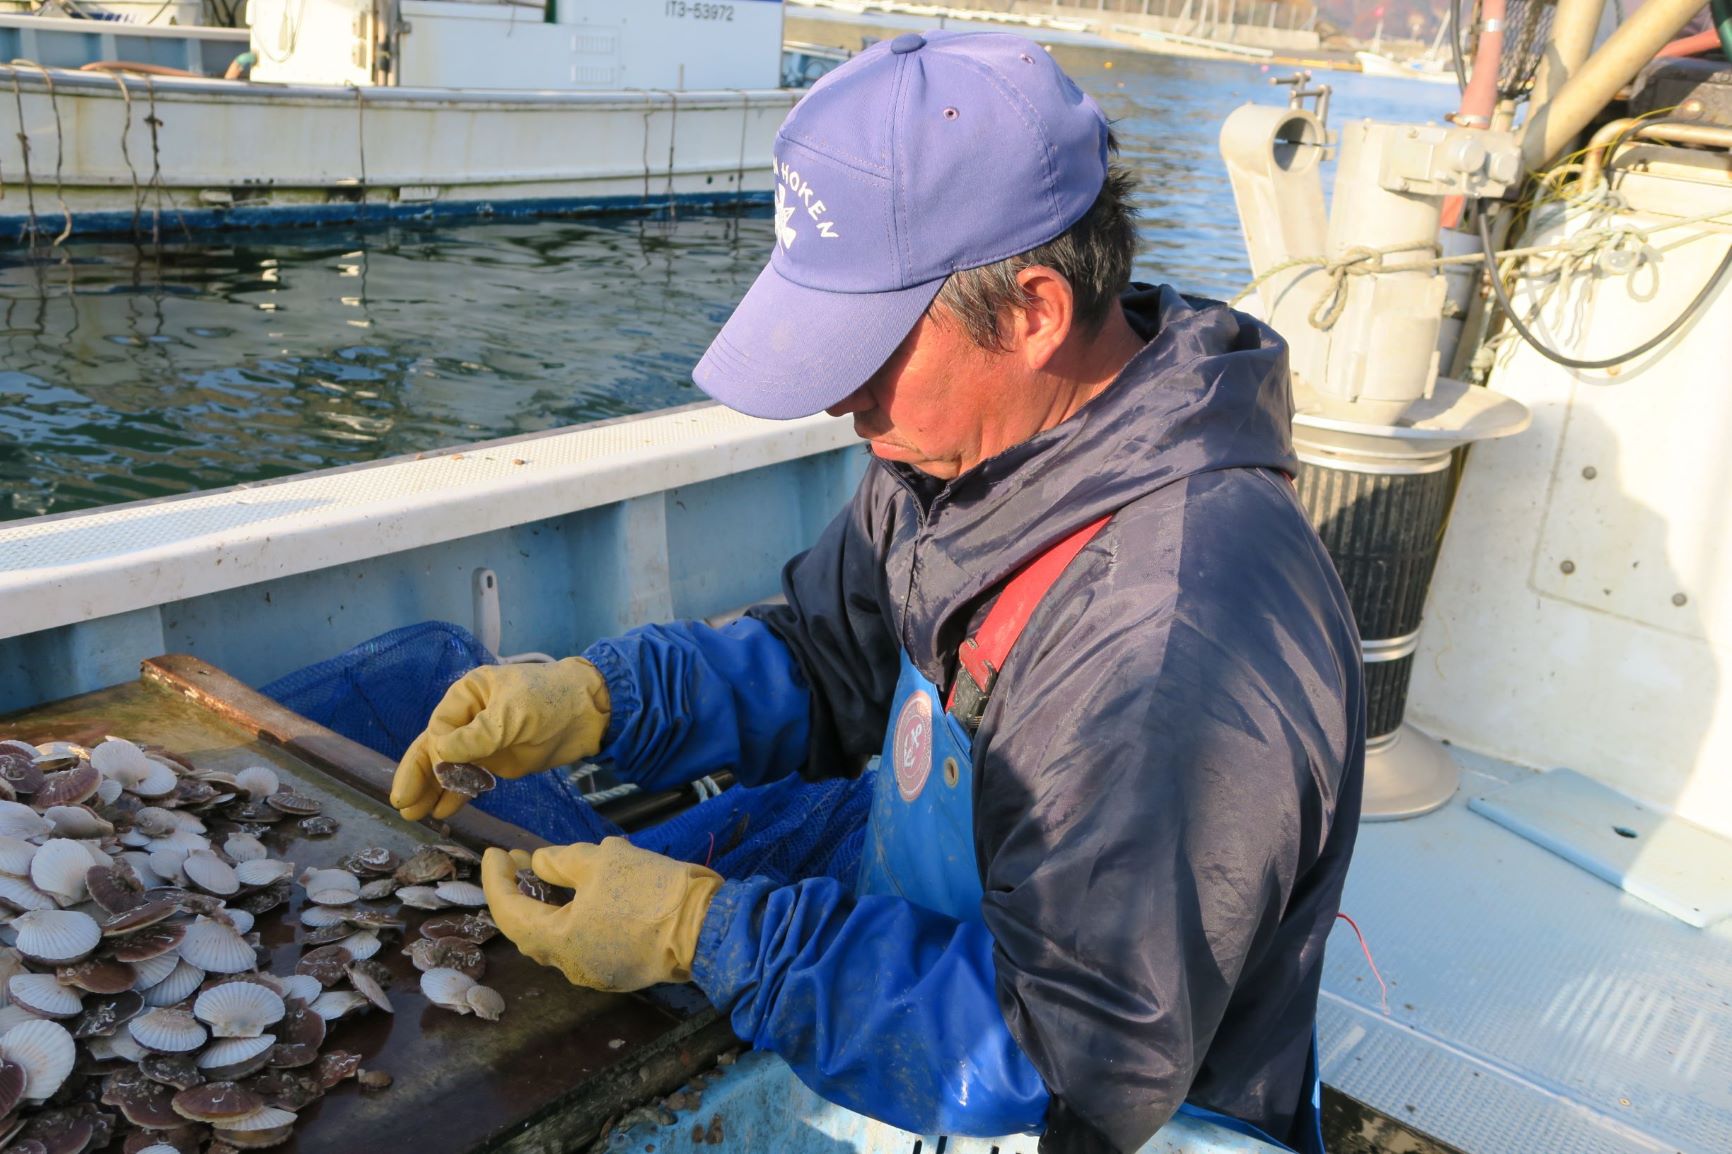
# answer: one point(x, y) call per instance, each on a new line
point(104, 154)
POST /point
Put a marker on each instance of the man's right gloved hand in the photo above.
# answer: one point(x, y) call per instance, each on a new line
point(510, 719)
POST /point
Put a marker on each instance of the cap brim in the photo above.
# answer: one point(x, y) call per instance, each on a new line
point(790, 351)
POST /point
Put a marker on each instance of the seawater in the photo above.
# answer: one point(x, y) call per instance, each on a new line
point(131, 372)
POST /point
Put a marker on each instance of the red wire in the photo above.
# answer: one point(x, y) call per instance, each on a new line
point(1369, 960)
point(712, 852)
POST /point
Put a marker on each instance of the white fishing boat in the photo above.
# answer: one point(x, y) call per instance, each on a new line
point(1432, 66)
point(361, 111)
point(1533, 522)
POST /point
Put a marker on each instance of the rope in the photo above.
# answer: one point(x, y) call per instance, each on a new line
point(24, 151)
point(59, 153)
point(673, 127)
point(361, 143)
point(126, 153)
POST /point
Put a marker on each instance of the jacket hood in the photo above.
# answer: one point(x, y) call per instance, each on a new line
point(1210, 390)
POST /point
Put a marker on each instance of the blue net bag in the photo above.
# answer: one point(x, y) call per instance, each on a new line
point(381, 692)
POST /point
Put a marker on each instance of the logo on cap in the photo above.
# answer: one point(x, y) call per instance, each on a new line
point(785, 232)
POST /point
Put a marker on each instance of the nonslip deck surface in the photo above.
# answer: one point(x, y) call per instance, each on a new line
point(1532, 1006)
point(461, 1084)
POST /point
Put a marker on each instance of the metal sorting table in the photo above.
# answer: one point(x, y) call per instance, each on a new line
point(546, 1077)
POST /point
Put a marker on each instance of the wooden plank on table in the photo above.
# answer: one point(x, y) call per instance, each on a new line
point(348, 761)
point(543, 1079)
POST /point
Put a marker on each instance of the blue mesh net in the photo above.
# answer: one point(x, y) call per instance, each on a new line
point(381, 692)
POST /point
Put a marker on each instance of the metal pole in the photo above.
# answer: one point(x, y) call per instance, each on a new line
point(1647, 30)
point(1573, 29)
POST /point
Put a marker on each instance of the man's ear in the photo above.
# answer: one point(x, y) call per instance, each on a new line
point(1041, 325)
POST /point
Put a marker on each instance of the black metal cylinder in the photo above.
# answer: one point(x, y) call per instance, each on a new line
point(1382, 523)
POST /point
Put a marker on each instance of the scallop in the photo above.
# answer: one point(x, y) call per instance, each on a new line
point(362, 944)
point(262, 871)
point(56, 936)
point(464, 778)
point(77, 821)
point(47, 1053)
point(334, 1004)
point(302, 986)
point(448, 988)
point(15, 855)
point(11, 1015)
point(258, 782)
point(244, 847)
point(68, 787)
point(422, 898)
point(461, 893)
point(369, 987)
point(485, 1002)
point(241, 920)
point(167, 1031)
point(176, 988)
point(216, 948)
point(166, 863)
point(125, 763)
point(238, 1010)
point(379, 888)
point(18, 894)
point(230, 1053)
point(19, 820)
point(211, 873)
point(43, 996)
point(183, 840)
point(108, 791)
point(264, 1118)
point(152, 971)
point(59, 867)
point(331, 887)
point(11, 1086)
point(315, 917)
point(218, 1103)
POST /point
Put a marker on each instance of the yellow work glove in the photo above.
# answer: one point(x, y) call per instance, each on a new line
point(634, 921)
point(511, 719)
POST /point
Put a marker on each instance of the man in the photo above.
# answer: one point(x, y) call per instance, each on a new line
point(1101, 865)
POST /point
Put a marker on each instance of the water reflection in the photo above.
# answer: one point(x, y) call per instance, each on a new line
point(130, 372)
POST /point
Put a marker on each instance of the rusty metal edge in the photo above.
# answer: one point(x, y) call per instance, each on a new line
point(349, 762)
point(666, 1064)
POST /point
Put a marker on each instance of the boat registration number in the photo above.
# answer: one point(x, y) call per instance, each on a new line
point(697, 10)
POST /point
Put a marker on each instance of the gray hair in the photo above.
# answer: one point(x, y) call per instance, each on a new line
point(1094, 255)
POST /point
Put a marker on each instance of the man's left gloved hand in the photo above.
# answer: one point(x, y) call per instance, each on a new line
point(633, 922)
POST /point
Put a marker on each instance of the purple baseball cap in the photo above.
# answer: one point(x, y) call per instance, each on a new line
point(923, 155)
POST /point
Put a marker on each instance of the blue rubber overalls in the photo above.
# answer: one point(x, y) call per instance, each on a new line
point(920, 837)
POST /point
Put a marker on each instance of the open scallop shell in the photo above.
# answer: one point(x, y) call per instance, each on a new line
point(461, 893)
point(238, 1010)
point(216, 947)
point(47, 1053)
point(485, 1002)
point(231, 1053)
point(176, 988)
point(59, 867)
point(210, 873)
point(448, 988)
point(167, 1031)
point(56, 936)
point(43, 996)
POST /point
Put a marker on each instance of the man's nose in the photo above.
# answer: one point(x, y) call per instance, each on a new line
point(857, 401)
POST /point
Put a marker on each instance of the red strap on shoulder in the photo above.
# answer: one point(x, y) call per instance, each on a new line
point(983, 654)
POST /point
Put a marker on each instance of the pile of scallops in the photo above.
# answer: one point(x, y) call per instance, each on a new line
point(137, 1007)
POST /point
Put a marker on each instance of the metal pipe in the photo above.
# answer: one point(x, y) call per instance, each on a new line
point(1572, 38)
point(1634, 128)
point(1584, 94)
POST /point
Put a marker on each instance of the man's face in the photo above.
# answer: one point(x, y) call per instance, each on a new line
point(930, 404)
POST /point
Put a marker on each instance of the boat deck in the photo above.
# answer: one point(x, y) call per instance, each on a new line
point(1532, 1006)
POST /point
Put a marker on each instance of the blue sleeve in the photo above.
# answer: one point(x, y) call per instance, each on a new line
point(686, 700)
point(881, 1006)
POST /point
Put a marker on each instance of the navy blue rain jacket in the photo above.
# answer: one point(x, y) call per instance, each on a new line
point(1167, 777)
